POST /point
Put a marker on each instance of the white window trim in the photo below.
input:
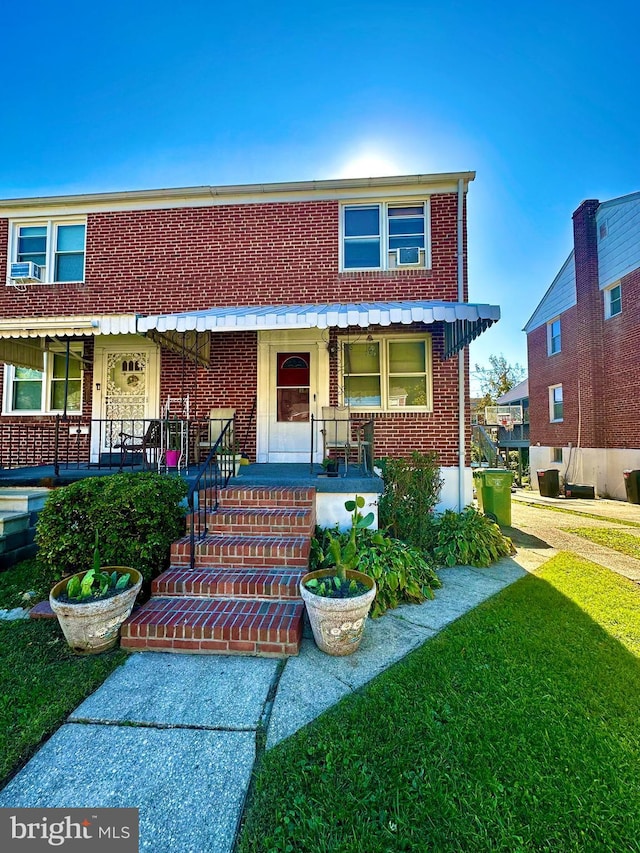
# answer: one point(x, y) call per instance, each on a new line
point(9, 372)
point(550, 350)
point(52, 226)
point(383, 206)
point(384, 340)
point(553, 419)
point(607, 301)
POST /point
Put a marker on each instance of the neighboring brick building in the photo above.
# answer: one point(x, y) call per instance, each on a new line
point(220, 294)
point(584, 353)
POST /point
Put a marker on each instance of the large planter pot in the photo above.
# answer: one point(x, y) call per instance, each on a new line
point(91, 627)
point(338, 623)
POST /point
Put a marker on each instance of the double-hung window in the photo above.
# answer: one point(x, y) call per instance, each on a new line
point(554, 340)
point(387, 374)
point(385, 236)
point(613, 301)
point(36, 392)
point(556, 405)
point(57, 247)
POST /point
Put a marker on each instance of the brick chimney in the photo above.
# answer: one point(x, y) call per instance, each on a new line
point(590, 318)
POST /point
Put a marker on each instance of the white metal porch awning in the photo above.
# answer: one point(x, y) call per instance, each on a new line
point(467, 320)
point(22, 339)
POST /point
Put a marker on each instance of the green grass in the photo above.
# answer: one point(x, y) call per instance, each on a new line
point(625, 522)
point(41, 680)
point(617, 540)
point(17, 582)
point(515, 729)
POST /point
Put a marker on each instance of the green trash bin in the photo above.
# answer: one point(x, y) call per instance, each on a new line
point(493, 489)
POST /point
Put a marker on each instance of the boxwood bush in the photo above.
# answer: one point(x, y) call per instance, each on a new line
point(136, 516)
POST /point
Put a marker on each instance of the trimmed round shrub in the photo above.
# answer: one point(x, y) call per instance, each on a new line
point(136, 516)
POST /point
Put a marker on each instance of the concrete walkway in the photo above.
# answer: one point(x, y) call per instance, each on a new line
point(540, 530)
point(177, 736)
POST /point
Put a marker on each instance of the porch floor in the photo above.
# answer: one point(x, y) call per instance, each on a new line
point(281, 474)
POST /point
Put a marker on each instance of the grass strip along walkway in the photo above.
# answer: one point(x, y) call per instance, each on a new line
point(41, 680)
point(617, 540)
point(515, 729)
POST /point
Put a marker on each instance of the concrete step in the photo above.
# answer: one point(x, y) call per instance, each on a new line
point(231, 582)
point(13, 522)
point(23, 498)
point(217, 550)
point(255, 521)
point(215, 626)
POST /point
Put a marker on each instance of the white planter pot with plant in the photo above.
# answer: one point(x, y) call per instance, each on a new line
point(91, 606)
point(338, 599)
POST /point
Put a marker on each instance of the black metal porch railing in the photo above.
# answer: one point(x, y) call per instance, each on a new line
point(115, 444)
point(213, 475)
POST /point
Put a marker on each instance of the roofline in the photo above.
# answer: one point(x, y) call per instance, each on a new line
point(619, 200)
point(527, 326)
point(183, 194)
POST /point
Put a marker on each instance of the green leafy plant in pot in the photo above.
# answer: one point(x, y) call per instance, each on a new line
point(92, 605)
point(338, 599)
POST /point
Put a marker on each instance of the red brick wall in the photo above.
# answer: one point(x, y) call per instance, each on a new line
point(599, 366)
point(156, 261)
point(621, 339)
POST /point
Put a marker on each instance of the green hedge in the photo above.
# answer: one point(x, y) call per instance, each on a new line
point(136, 516)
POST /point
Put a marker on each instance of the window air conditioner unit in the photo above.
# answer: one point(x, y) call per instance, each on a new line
point(26, 271)
point(407, 256)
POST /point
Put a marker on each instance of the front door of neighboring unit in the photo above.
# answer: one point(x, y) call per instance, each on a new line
point(290, 369)
point(125, 392)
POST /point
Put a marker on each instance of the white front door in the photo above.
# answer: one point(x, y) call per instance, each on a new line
point(125, 390)
point(289, 371)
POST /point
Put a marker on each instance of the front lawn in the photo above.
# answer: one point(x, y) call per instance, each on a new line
point(515, 729)
point(41, 680)
point(618, 540)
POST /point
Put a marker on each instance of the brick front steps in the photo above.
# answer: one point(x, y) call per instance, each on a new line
point(242, 597)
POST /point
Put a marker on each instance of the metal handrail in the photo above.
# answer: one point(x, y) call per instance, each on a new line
point(202, 497)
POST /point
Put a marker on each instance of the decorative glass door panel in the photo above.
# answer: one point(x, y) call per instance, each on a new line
point(292, 398)
point(126, 394)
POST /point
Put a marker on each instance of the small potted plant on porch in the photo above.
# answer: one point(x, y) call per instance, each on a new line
point(338, 599)
point(92, 605)
point(330, 466)
point(229, 460)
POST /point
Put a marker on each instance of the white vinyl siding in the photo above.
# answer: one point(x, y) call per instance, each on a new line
point(619, 250)
point(560, 296)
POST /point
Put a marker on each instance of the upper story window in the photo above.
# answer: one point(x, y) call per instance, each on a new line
point(556, 405)
point(554, 342)
point(613, 301)
point(388, 374)
point(385, 236)
point(35, 392)
point(57, 247)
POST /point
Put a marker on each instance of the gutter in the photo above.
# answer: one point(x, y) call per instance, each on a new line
point(461, 408)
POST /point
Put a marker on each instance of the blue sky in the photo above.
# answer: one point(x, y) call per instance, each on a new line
point(540, 99)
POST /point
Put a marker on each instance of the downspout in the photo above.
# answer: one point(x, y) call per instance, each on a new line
point(461, 409)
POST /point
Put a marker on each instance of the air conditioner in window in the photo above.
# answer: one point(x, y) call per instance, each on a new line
point(407, 256)
point(26, 271)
